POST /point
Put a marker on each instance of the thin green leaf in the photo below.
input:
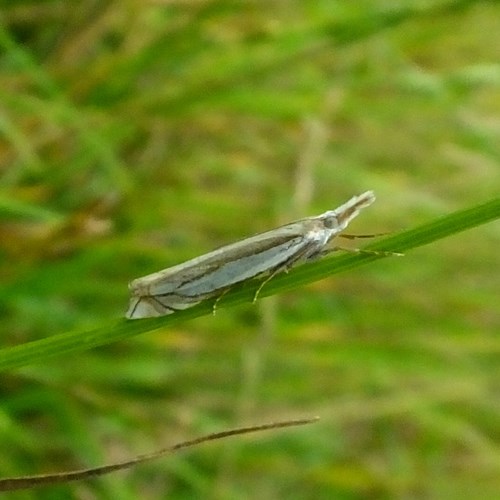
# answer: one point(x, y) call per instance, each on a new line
point(454, 223)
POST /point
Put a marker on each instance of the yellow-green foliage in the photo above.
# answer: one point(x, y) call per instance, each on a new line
point(138, 134)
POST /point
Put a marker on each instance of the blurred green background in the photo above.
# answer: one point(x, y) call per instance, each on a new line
point(135, 135)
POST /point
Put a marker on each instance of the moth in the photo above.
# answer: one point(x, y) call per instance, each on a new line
point(269, 253)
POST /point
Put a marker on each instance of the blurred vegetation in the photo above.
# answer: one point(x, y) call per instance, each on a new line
point(135, 135)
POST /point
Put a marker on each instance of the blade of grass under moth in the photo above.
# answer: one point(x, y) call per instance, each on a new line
point(454, 223)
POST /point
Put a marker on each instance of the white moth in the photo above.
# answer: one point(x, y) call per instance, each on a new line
point(211, 275)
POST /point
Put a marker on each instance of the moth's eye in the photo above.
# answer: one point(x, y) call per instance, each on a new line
point(330, 222)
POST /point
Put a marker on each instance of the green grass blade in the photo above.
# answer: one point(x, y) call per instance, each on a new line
point(40, 350)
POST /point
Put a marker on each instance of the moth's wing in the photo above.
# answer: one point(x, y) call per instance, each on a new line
point(171, 279)
point(185, 285)
point(150, 306)
point(144, 307)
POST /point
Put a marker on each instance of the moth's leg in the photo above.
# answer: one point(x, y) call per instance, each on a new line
point(269, 278)
point(357, 236)
point(285, 266)
point(321, 253)
point(214, 307)
point(361, 250)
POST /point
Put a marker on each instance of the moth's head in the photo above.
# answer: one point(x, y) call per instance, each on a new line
point(341, 216)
